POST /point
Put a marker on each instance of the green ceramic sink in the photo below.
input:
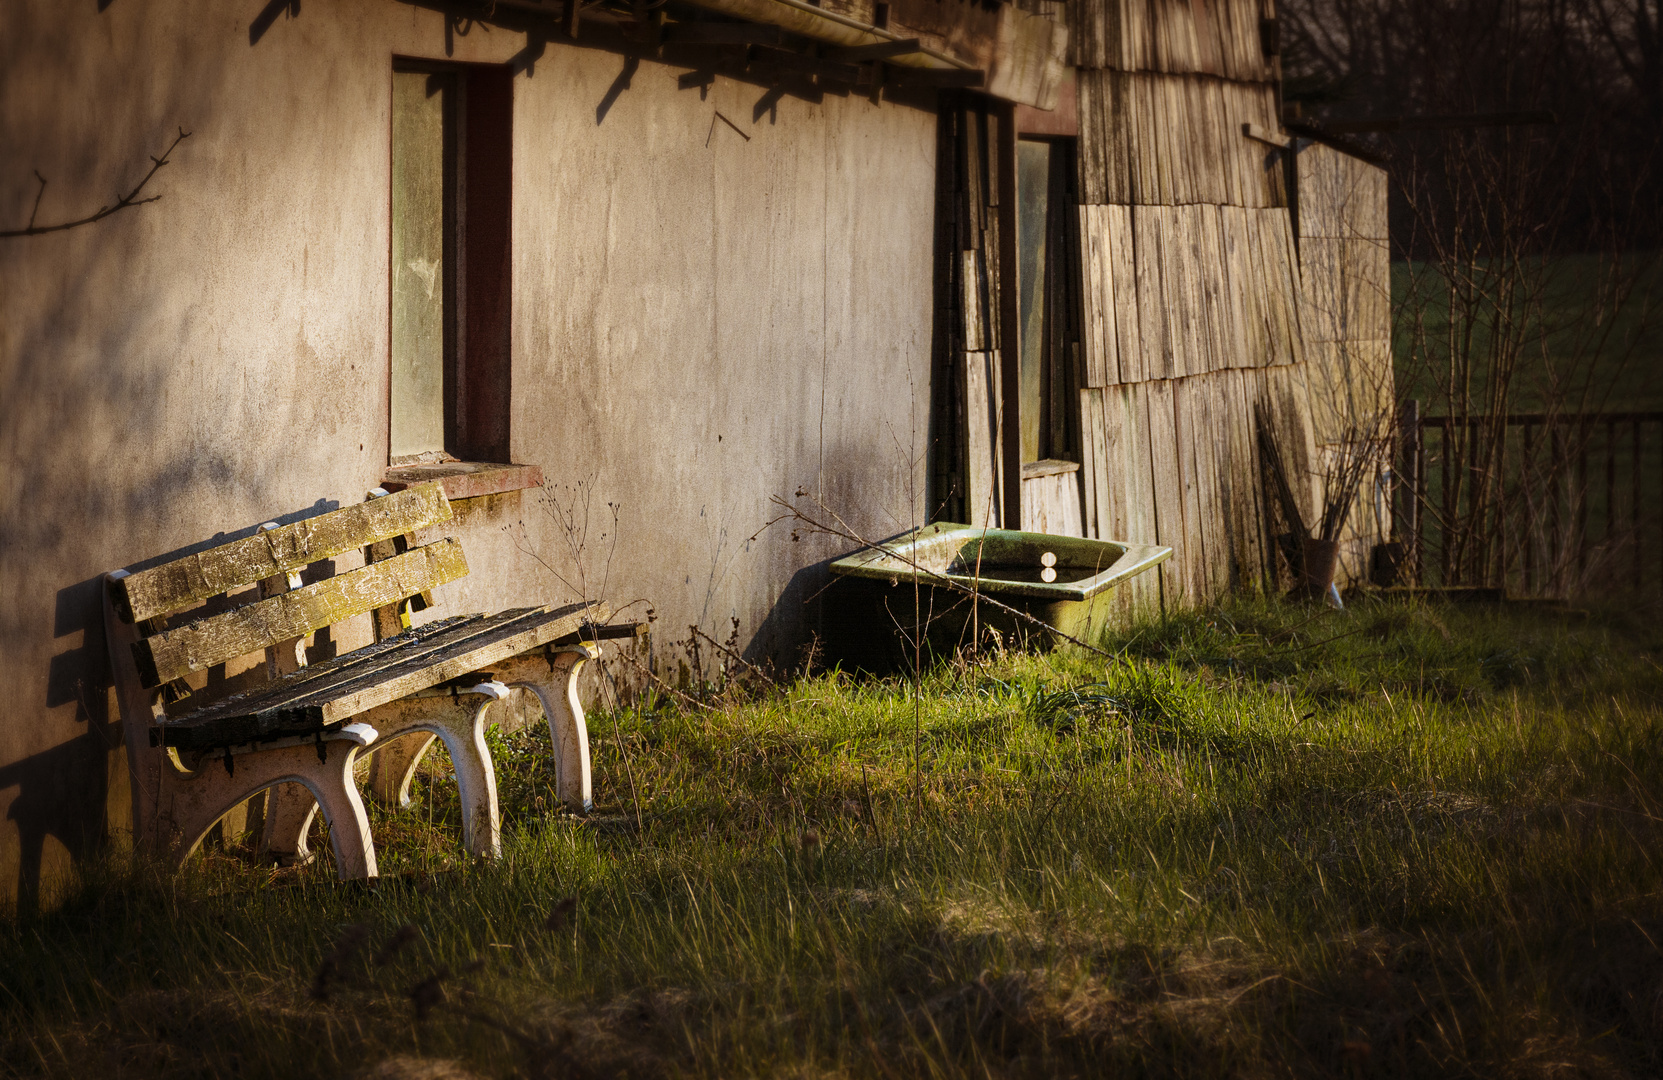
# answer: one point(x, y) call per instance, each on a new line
point(957, 569)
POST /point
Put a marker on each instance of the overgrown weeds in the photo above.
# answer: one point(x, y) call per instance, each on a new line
point(1394, 840)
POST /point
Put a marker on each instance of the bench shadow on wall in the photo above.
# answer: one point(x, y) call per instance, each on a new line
point(76, 793)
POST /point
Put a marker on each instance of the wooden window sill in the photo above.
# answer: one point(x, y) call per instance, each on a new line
point(464, 479)
point(1033, 470)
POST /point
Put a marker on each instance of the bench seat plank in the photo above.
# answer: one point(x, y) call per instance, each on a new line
point(197, 645)
point(185, 582)
point(311, 701)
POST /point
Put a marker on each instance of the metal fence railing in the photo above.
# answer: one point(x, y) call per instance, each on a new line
point(1540, 504)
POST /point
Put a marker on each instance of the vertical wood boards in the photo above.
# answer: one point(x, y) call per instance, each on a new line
point(1194, 560)
point(1320, 258)
point(977, 237)
point(1002, 144)
point(1177, 291)
point(1130, 486)
point(1119, 482)
point(1258, 167)
point(985, 476)
point(1093, 464)
point(1284, 401)
point(1148, 241)
point(1051, 504)
point(1240, 472)
point(1189, 302)
point(1198, 415)
point(1150, 139)
point(1141, 596)
point(1101, 360)
point(1206, 331)
point(1104, 146)
point(1170, 35)
point(1213, 452)
point(1206, 414)
point(1340, 196)
point(1345, 271)
point(1345, 279)
point(1173, 306)
point(1274, 234)
point(1229, 288)
point(976, 318)
point(1167, 488)
point(1251, 333)
point(1328, 382)
point(1122, 254)
point(1367, 268)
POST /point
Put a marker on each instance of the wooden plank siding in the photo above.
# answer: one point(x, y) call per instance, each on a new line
point(1193, 305)
point(967, 464)
point(1174, 291)
point(1345, 307)
point(1171, 35)
point(1152, 139)
point(1217, 300)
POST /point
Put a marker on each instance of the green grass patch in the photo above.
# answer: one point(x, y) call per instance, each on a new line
point(1261, 840)
point(1587, 329)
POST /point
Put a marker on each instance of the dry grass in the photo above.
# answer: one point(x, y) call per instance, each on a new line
point(1392, 841)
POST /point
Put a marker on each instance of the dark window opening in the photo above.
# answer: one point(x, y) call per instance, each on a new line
point(451, 200)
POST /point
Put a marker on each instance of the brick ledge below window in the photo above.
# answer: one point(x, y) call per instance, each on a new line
point(465, 479)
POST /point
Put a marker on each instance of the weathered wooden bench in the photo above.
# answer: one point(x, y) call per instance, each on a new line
point(295, 729)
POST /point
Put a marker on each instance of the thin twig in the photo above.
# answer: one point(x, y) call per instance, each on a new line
point(42, 191)
point(122, 202)
point(649, 673)
point(729, 652)
point(732, 125)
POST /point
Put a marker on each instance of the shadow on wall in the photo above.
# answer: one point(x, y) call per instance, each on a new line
point(72, 792)
point(64, 792)
point(793, 621)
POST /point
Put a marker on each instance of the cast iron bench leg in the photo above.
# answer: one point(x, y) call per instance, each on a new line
point(460, 724)
point(201, 798)
point(567, 730)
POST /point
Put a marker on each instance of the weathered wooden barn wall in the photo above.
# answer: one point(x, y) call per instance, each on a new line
point(970, 473)
point(1192, 314)
point(1346, 313)
point(700, 322)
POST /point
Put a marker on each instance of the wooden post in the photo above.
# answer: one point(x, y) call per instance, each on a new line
point(1503, 563)
point(1448, 525)
point(1611, 483)
point(1010, 337)
point(1529, 530)
point(1420, 503)
point(1556, 468)
point(1584, 434)
point(1404, 489)
point(1634, 507)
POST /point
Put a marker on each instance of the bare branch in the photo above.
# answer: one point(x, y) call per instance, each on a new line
point(122, 201)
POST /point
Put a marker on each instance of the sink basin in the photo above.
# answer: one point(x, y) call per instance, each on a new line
point(958, 570)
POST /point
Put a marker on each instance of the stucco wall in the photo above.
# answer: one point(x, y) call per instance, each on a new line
point(700, 322)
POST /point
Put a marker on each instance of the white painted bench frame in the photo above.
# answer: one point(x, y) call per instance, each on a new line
point(175, 804)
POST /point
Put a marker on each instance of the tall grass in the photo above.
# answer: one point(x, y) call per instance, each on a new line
point(1395, 840)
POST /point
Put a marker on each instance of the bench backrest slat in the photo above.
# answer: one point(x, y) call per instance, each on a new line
point(183, 583)
point(173, 654)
